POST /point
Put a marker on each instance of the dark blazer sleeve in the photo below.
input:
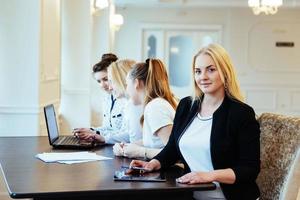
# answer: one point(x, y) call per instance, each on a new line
point(247, 166)
point(170, 154)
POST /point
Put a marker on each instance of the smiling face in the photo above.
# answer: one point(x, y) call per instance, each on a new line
point(101, 78)
point(207, 75)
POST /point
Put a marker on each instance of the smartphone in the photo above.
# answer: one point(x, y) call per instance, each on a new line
point(134, 170)
point(143, 177)
point(138, 168)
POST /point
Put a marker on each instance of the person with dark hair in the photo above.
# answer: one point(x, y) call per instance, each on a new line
point(148, 85)
point(112, 106)
point(215, 134)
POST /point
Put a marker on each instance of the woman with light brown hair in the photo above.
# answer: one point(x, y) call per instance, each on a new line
point(215, 134)
point(148, 85)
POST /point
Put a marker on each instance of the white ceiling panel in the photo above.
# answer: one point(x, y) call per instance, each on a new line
point(194, 3)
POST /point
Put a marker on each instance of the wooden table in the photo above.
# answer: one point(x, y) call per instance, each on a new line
point(29, 177)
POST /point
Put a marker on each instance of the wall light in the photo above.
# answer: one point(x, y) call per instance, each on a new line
point(100, 4)
point(174, 50)
point(266, 6)
point(117, 21)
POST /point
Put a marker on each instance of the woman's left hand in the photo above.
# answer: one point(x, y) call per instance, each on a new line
point(132, 150)
point(196, 177)
point(118, 149)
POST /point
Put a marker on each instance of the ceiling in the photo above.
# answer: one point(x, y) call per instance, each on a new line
point(193, 3)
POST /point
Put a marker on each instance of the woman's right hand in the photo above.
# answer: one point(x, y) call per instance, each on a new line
point(83, 133)
point(88, 135)
point(150, 166)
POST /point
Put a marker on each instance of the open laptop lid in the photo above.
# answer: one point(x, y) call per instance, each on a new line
point(51, 123)
point(53, 133)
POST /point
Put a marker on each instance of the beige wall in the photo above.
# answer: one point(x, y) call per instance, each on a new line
point(268, 75)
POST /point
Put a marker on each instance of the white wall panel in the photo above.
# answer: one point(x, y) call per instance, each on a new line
point(19, 67)
point(75, 74)
point(262, 99)
point(264, 55)
point(295, 100)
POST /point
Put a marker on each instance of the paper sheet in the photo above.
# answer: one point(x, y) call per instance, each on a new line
point(70, 158)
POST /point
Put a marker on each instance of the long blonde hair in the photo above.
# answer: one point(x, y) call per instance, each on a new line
point(225, 68)
point(118, 71)
point(155, 78)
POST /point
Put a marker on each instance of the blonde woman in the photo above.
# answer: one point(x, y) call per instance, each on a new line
point(131, 130)
point(215, 134)
point(148, 85)
point(128, 132)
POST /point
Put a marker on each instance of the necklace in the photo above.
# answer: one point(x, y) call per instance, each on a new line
point(204, 118)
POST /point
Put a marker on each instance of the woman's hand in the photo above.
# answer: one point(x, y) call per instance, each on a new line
point(197, 177)
point(132, 150)
point(150, 166)
point(83, 133)
point(118, 149)
point(88, 135)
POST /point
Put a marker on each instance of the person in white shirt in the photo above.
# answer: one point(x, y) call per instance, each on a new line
point(148, 85)
point(130, 130)
point(112, 106)
point(115, 111)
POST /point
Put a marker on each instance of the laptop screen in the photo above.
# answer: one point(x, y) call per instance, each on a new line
point(51, 123)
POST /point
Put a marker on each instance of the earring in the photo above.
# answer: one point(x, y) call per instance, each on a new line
point(225, 87)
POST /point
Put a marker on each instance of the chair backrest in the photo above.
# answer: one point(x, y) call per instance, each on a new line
point(280, 140)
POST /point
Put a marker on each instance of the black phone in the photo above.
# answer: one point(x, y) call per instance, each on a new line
point(122, 175)
point(134, 169)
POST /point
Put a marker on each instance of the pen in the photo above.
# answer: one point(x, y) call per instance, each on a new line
point(75, 134)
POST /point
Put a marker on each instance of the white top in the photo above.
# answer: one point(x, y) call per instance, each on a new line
point(133, 114)
point(113, 113)
point(157, 114)
point(194, 146)
point(131, 129)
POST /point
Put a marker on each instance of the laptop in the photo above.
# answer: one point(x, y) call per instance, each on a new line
point(63, 142)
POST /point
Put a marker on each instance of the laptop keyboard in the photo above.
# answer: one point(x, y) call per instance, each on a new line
point(69, 141)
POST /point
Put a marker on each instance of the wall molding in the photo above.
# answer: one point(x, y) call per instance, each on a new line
point(22, 110)
point(164, 28)
point(46, 78)
point(193, 4)
point(74, 91)
point(25, 110)
point(21, 133)
point(54, 101)
point(271, 106)
point(180, 26)
point(293, 105)
point(258, 67)
point(269, 85)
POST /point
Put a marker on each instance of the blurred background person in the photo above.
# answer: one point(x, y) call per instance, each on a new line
point(148, 85)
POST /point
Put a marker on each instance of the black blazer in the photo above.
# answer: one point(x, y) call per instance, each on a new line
point(234, 144)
